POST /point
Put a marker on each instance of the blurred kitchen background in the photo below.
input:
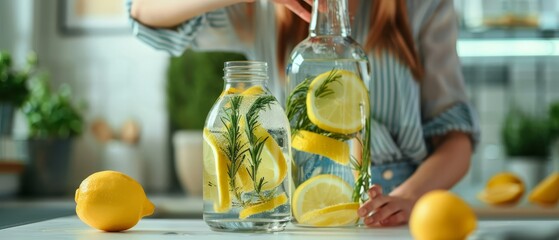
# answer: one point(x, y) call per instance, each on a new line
point(118, 104)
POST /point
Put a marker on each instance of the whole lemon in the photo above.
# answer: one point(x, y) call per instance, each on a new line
point(441, 215)
point(111, 201)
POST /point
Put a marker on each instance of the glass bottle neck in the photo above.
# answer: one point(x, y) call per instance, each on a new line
point(244, 74)
point(330, 18)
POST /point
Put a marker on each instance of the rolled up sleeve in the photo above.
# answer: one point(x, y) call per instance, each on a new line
point(174, 41)
point(444, 103)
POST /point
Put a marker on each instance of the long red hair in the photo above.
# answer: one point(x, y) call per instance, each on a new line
point(389, 30)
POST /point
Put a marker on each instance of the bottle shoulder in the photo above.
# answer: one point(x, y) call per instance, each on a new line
point(328, 47)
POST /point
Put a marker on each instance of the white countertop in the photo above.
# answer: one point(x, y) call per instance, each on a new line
point(162, 229)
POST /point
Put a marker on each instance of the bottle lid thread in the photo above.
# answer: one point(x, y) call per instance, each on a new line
point(245, 71)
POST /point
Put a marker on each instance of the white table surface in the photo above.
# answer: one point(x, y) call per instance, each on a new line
point(162, 229)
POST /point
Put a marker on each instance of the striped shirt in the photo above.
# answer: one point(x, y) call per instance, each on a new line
point(405, 113)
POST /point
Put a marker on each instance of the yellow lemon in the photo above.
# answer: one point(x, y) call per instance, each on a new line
point(336, 215)
point(502, 189)
point(322, 145)
point(504, 177)
point(441, 215)
point(337, 100)
point(216, 180)
point(263, 207)
point(230, 90)
point(254, 90)
point(273, 167)
point(111, 201)
point(504, 193)
point(320, 192)
point(546, 193)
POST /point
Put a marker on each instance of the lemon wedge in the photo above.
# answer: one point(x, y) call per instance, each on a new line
point(341, 107)
point(336, 215)
point(546, 193)
point(319, 192)
point(216, 180)
point(504, 193)
point(315, 143)
point(263, 207)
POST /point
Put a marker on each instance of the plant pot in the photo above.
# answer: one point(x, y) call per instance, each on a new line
point(188, 160)
point(6, 118)
point(530, 169)
point(47, 171)
point(125, 158)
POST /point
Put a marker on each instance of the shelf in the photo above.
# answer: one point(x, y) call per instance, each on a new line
point(468, 48)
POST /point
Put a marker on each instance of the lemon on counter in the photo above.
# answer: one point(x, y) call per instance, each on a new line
point(546, 193)
point(441, 215)
point(505, 193)
point(502, 189)
point(320, 192)
point(338, 106)
point(111, 201)
point(315, 143)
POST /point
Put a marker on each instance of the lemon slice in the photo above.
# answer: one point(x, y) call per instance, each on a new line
point(322, 145)
point(320, 192)
point(263, 207)
point(505, 193)
point(230, 90)
point(254, 90)
point(273, 167)
point(216, 180)
point(340, 110)
point(336, 215)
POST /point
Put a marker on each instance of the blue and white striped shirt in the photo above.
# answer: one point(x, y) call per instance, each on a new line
point(405, 113)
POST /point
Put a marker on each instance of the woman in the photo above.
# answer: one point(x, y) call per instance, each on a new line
point(424, 128)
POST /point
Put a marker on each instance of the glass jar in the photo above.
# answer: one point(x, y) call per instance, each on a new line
point(328, 109)
point(246, 155)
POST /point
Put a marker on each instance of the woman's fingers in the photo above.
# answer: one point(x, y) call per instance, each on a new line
point(297, 8)
point(384, 212)
point(374, 191)
point(375, 200)
point(372, 206)
point(396, 219)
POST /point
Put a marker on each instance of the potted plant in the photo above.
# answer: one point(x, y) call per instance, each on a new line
point(554, 129)
point(527, 141)
point(13, 90)
point(53, 123)
point(194, 82)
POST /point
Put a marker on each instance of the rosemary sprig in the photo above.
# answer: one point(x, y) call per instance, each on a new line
point(323, 90)
point(256, 144)
point(363, 179)
point(234, 149)
point(296, 106)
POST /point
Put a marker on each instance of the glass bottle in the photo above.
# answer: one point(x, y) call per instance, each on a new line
point(328, 109)
point(246, 154)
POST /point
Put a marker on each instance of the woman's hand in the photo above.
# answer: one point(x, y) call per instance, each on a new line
point(384, 210)
point(296, 7)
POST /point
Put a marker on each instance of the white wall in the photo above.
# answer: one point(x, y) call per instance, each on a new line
point(16, 27)
point(119, 78)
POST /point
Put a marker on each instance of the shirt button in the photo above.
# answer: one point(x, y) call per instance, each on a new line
point(388, 174)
